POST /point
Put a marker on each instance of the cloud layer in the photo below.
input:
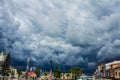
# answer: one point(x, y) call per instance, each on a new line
point(78, 32)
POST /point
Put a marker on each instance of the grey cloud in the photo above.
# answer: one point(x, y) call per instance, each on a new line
point(79, 32)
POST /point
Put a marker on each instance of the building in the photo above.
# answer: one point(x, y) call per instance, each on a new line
point(109, 70)
point(27, 64)
point(115, 70)
point(14, 74)
point(66, 76)
point(2, 59)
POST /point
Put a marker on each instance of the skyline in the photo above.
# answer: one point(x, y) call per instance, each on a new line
point(83, 33)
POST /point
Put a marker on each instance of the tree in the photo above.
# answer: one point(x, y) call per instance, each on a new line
point(45, 74)
point(37, 72)
point(8, 61)
point(57, 72)
point(76, 72)
point(68, 75)
point(6, 65)
point(12, 73)
point(19, 71)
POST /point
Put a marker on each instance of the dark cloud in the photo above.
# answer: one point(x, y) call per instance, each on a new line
point(73, 33)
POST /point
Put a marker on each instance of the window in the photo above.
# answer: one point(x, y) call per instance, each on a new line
point(116, 73)
point(119, 74)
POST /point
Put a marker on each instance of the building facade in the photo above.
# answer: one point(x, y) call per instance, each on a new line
point(115, 70)
point(109, 70)
point(2, 59)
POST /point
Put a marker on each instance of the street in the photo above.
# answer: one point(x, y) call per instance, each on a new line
point(97, 79)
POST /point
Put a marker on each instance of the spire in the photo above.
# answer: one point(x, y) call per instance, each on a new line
point(2, 53)
point(28, 62)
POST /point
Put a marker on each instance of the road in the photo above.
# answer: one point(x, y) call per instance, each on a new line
point(103, 79)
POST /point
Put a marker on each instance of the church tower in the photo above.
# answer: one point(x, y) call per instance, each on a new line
point(2, 59)
point(28, 62)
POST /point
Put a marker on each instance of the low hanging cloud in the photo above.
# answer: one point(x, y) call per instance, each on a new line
point(78, 32)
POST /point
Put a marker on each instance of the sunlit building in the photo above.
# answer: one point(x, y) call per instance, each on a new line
point(2, 59)
point(109, 70)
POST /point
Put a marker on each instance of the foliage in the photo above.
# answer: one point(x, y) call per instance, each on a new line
point(45, 74)
point(37, 72)
point(19, 71)
point(76, 72)
point(6, 65)
point(68, 75)
point(12, 72)
point(6, 73)
point(57, 72)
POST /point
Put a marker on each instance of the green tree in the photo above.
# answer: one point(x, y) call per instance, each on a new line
point(57, 72)
point(76, 72)
point(19, 71)
point(6, 65)
point(68, 75)
point(12, 73)
point(45, 74)
point(37, 72)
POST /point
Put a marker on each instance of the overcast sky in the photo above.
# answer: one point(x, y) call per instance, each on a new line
point(72, 32)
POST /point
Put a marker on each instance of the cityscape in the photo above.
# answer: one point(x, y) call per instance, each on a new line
point(108, 71)
point(59, 39)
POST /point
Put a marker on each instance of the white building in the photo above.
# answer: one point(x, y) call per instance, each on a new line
point(108, 64)
point(108, 70)
point(2, 59)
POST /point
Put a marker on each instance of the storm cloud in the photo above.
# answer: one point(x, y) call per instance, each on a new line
point(71, 32)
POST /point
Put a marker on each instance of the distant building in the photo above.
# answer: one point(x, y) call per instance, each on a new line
point(109, 70)
point(68, 76)
point(2, 59)
point(15, 72)
point(115, 70)
point(27, 66)
point(64, 76)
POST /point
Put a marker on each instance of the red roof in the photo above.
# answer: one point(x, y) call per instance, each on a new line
point(114, 67)
point(32, 74)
